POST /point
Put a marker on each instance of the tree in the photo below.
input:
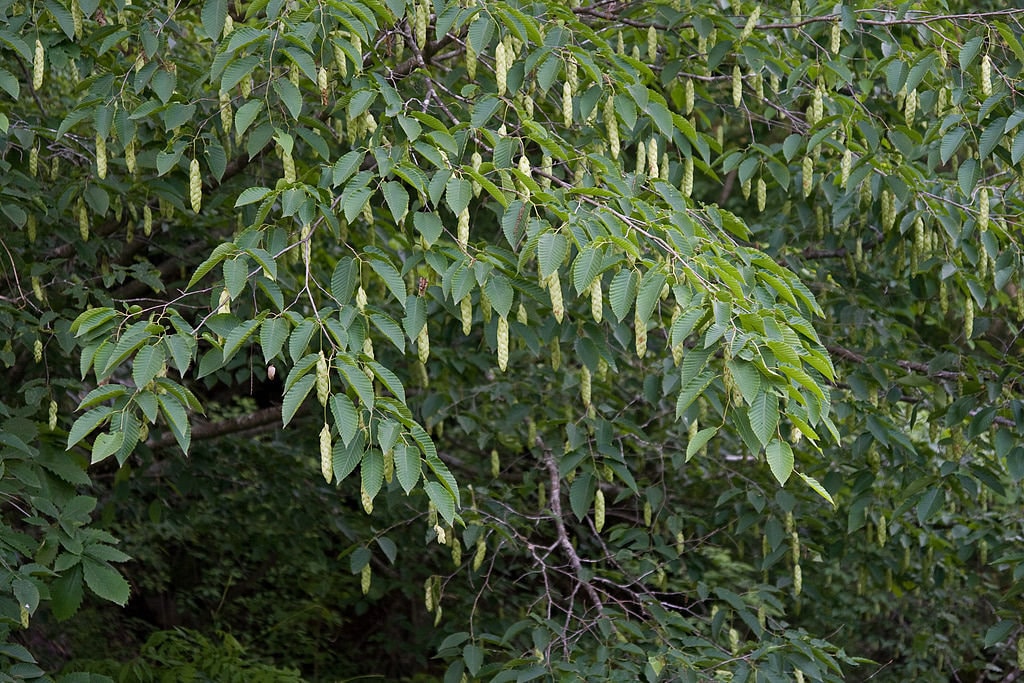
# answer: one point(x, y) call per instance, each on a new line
point(561, 284)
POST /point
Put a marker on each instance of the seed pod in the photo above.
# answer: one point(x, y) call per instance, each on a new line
point(502, 343)
point(968, 316)
point(357, 48)
point(983, 209)
point(555, 290)
point(818, 103)
point(556, 354)
point(687, 96)
point(38, 65)
point(481, 552)
point(663, 174)
point(389, 465)
point(76, 18)
point(1020, 652)
point(798, 676)
point(52, 416)
point(687, 184)
point(910, 107)
point(340, 60)
point(599, 510)
point(611, 123)
point(463, 230)
point(226, 115)
point(495, 463)
point(37, 288)
point(423, 345)
point(323, 379)
point(986, 75)
point(428, 594)
point(641, 157)
point(466, 313)
point(147, 220)
point(420, 21)
point(571, 74)
point(836, 37)
point(640, 331)
point(101, 156)
point(734, 640)
point(288, 165)
point(361, 299)
point(882, 529)
point(596, 301)
point(365, 577)
point(83, 221)
point(762, 194)
point(794, 10)
point(652, 157)
point(293, 75)
point(808, 175)
point(195, 185)
point(37, 350)
point(500, 69)
point(737, 86)
point(321, 83)
point(648, 513)
point(798, 580)
point(521, 316)
point(566, 104)
point(546, 165)
point(748, 28)
point(365, 499)
point(585, 386)
point(470, 60)
point(746, 186)
point(326, 461)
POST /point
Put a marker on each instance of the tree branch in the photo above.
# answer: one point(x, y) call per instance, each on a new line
point(563, 536)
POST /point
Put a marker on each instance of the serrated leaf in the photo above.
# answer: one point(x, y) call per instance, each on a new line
point(239, 336)
point(551, 250)
point(345, 417)
point(391, 277)
point(407, 465)
point(273, 334)
point(290, 96)
point(457, 194)
point(649, 293)
point(699, 440)
point(585, 268)
point(148, 362)
point(251, 195)
point(442, 500)
point(581, 494)
point(85, 424)
point(622, 292)
point(213, 15)
point(105, 581)
point(929, 504)
point(428, 225)
point(397, 198)
point(294, 397)
point(66, 593)
point(372, 471)
point(763, 415)
point(780, 459)
point(499, 291)
point(357, 380)
point(817, 487)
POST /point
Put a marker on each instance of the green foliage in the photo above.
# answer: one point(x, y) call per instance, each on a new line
point(568, 291)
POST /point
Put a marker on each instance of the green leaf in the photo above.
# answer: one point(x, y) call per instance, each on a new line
point(699, 440)
point(930, 503)
point(764, 417)
point(85, 424)
point(622, 292)
point(551, 250)
point(294, 397)
point(780, 459)
point(397, 199)
point(457, 194)
point(428, 225)
point(391, 277)
point(407, 465)
point(345, 417)
point(442, 500)
point(239, 336)
point(273, 333)
point(66, 593)
point(148, 362)
point(213, 15)
point(105, 581)
point(817, 487)
point(251, 195)
point(290, 96)
point(372, 471)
